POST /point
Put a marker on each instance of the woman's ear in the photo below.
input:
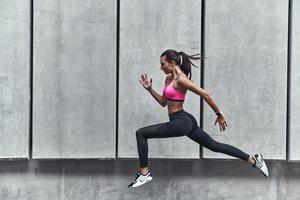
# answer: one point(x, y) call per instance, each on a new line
point(173, 63)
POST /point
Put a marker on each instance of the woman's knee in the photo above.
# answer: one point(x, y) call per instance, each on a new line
point(142, 133)
point(139, 132)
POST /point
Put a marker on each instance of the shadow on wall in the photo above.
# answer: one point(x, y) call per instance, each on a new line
point(180, 168)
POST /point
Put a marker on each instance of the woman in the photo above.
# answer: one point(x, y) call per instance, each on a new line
point(177, 67)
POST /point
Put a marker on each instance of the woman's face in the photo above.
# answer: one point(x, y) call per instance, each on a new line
point(166, 66)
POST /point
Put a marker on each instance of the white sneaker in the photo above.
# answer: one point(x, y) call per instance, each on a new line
point(260, 164)
point(141, 180)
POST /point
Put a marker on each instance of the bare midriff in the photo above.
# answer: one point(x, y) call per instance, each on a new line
point(174, 106)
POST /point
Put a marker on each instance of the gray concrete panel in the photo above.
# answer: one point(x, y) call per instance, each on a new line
point(74, 79)
point(246, 70)
point(295, 85)
point(14, 78)
point(147, 28)
point(173, 180)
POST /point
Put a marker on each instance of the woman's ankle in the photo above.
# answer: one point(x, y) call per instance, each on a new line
point(251, 160)
point(144, 170)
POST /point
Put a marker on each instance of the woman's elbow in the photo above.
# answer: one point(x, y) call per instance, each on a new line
point(206, 96)
point(163, 104)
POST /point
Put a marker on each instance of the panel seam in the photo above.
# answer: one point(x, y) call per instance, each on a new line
point(117, 76)
point(289, 55)
point(31, 24)
point(202, 65)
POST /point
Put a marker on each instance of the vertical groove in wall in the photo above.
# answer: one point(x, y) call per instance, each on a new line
point(30, 76)
point(202, 65)
point(289, 54)
point(117, 74)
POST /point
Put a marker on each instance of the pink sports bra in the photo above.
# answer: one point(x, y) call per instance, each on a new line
point(173, 94)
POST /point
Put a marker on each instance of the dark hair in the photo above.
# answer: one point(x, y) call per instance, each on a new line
point(186, 65)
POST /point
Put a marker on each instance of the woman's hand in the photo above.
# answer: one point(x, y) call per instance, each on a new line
point(146, 83)
point(222, 123)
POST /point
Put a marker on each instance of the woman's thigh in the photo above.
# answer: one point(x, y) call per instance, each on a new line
point(174, 128)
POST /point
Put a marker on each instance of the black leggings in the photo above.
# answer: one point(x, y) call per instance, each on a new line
point(181, 123)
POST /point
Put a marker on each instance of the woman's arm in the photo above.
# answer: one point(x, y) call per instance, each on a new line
point(159, 98)
point(189, 85)
point(147, 84)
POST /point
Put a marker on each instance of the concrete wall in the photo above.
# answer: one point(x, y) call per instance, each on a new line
point(173, 180)
point(139, 53)
point(74, 89)
point(14, 79)
point(246, 72)
point(295, 85)
point(75, 98)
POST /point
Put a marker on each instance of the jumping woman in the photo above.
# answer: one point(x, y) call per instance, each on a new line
point(177, 67)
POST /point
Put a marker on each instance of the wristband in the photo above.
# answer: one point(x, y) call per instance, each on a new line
point(219, 113)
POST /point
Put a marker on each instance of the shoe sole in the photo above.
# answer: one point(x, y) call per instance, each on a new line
point(147, 180)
